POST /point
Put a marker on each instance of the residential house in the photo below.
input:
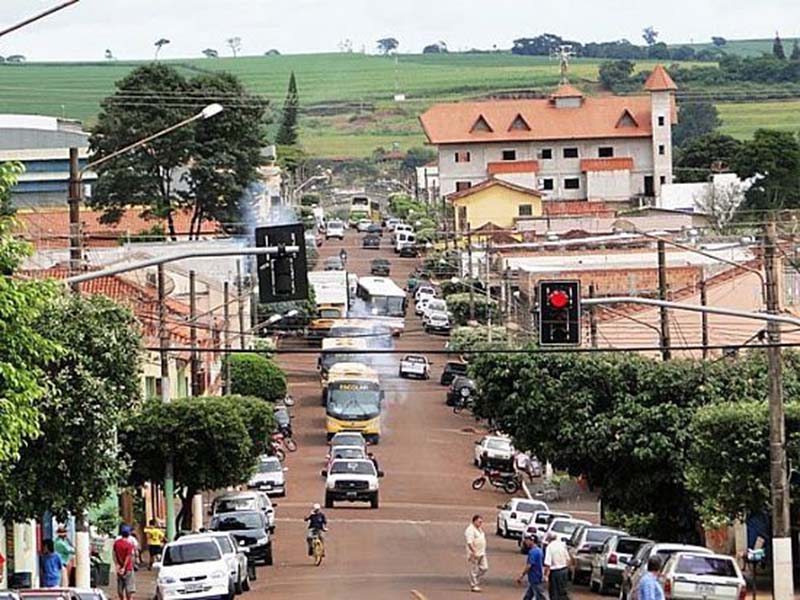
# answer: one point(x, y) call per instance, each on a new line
point(568, 146)
point(494, 202)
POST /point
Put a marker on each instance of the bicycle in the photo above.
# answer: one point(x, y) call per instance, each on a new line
point(317, 547)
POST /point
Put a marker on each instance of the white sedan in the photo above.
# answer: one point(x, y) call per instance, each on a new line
point(363, 225)
point(494, 451)
point(415, 365)
point(514, 516)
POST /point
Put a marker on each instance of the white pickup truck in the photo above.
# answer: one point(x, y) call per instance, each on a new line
point(351, 480)
point(415, 365)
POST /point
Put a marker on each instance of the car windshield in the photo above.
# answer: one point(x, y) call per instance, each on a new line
point(181, 554)
point(348, 439)
point(439, 305)
point(225, 544)
point(269, 466)
point(414, 359)
point(237, 521)
point(331, 313)
point(353, 468)
point(706, 565)
point(234, 504)
point(598, 536)
point(627, 546)
point(438, 316)
point(353, 400)
point(348, 453)
point(565, 527)
point(529, 507)
point(501, 445)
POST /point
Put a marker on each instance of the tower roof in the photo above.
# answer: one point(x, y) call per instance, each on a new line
point(660, 81)
point(567, 91)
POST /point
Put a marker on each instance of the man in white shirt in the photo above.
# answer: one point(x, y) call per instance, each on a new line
point(556, 566)
point(476, 552)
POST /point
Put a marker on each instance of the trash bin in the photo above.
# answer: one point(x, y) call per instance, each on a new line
point(20, 580)
point(100, 574)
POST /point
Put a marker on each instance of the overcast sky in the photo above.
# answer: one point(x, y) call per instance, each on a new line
point(130, 27)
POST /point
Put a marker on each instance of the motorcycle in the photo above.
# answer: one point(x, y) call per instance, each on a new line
point(464, 400)
point(508, 482)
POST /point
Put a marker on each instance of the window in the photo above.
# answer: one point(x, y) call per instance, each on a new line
point(525, 210)
point(463, 157)
point(547, 184)
point(463, 185)
point(463, 224)
point(152, 387)
point(662, 150)
point(661, 120)
point(663, 179)
point(509, 155)
point(605, 152)
point(547, 154)
point(570, 153)
point(572, 183)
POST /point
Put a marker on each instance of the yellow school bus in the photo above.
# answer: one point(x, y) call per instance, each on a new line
point(337, 350)
point(353, 401)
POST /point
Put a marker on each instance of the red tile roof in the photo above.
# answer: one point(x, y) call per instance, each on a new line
point(597, 117)
point(50, 227)
point(660, 81)
point(492, 183)
point(567, 91)
point(519, 166)
point(606, 164)
point(576, 208)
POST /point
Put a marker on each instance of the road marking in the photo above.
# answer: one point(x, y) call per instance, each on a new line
point(417, 595)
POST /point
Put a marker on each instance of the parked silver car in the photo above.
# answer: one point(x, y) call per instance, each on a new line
point(609, 563)
point(690, 576)
point(637, 566)
point(583, 548)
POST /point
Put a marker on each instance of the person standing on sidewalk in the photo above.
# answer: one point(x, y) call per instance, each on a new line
point(556, 566)
point(124, 555)
point(534, 570)
point(476, 552)
point(649, 586)
point(50, 566)
point(154, 537)
point(66, 552)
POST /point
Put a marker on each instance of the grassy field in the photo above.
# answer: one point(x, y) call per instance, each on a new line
point(347, 99)
point(745, 47)
point(740, 120)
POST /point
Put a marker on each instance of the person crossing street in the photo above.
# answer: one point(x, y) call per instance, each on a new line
point(476, 552)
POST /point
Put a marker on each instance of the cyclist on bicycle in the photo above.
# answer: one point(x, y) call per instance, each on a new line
point(317, 524)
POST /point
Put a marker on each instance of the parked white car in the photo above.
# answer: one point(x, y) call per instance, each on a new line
point(419, 306)
point(252, 500)
point(404, 238)
point(493, 450)
point(424, 290)
point(236, 559)
point(334, 229)
point(433, 305)
point(690, 576)
point(363, 225)
point(193, 567)
point(564, 528)
point(437, 322)
point(415, 365)
point(270, 477)
point(513, 516)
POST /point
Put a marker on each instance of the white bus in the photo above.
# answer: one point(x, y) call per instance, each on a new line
point(381, 299)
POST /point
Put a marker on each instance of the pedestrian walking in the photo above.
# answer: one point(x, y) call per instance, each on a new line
point(556, 566)
point(50, 566)
point(154, 536)
point(649, 586)
point(66, 552)
point(476, 553)
point(534, 570)
point(124, 554)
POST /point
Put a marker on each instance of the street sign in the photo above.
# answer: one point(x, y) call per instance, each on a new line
point(283, 273)
point(559, 313)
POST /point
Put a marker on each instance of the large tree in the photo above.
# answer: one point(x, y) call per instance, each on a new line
point(776, 156)
point(214, 159)
point(696, 119)
point(694, 162)
point(92, 383)
point(388, 45)
point(207, 438)
point(287, 133)
point(777, 48)
point(23, 349)
point(9, 173)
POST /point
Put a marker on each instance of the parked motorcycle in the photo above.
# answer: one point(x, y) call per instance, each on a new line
point(508, 482)
point(463, 400)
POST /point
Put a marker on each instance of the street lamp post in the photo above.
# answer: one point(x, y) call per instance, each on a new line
point(76, 174)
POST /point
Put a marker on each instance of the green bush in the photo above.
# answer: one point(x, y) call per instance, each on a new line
point(255, 375)
point(463, 339)
point(458, 305)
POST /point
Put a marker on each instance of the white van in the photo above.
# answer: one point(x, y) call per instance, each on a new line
point(400, 228)
point(334, 229)
point(404, 238)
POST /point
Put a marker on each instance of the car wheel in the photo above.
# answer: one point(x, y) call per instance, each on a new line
point(497, 530)
point(505, 530)
point(592, 586)
point(238, 588)
point(373, 502)
point(268, 558)
point(602, 587)
point(246, 583)
point(328, 501)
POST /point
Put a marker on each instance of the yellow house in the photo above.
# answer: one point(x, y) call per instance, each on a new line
point(495, 202)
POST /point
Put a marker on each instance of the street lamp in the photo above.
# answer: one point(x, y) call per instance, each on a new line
point(76, 178)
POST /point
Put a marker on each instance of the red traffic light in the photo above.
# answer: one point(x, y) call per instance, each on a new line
point(558, 299)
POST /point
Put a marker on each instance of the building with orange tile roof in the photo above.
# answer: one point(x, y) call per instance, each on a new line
point(569, 146)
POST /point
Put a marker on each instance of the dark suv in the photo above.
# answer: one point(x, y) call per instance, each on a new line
point(461, 389)
point(451, 369)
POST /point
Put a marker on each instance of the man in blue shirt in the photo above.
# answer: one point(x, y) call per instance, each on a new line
point(534, 570)
point(51, 565)
point(649, 586)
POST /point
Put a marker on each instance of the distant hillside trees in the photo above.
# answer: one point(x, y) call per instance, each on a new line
point(650, 35)
point(287, 133)
point(210, 53)
point(388, 45)
point(696, 119)
point(15, 58)
point(439, 47)
point(795, 51)
point(235, 44)
point(777, 48)
point(616, 75)
point(160, 44)
point(718, 41)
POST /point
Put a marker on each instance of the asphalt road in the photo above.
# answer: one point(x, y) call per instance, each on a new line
point(413, 545)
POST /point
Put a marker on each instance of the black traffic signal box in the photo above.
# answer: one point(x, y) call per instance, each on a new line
point(559, 313)
point(282, 274)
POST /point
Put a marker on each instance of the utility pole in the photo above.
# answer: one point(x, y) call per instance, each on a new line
point(163, 338)
point(666, 353)
point(240, 303)
point(704, 318)
point(471, 281)
point(194, 358)
point(783, 585)
point(74, 201)
point(226, 318)
point(592, 318)
point(488, 288)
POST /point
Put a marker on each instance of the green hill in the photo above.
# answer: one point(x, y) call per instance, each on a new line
point(347, 100)
point(744, 47)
